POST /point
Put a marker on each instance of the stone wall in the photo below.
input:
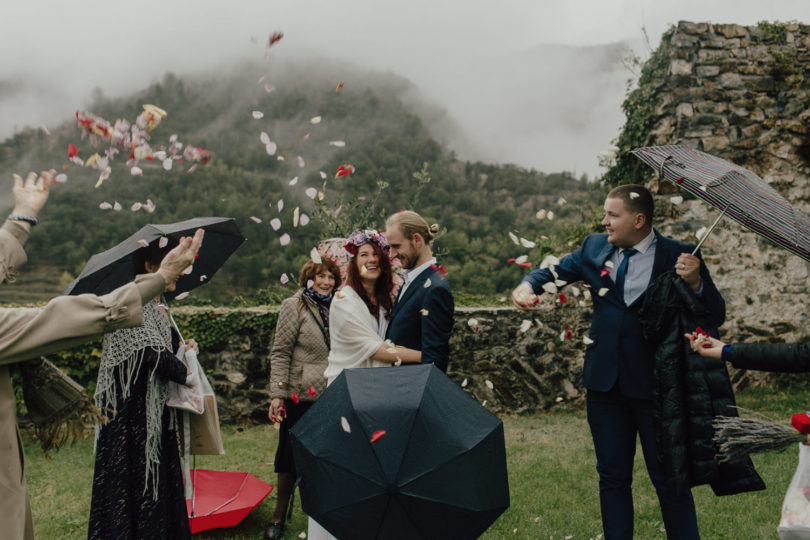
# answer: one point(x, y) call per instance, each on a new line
point(743, 94)
point(530, 365)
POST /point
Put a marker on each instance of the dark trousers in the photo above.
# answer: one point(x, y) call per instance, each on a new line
point(615, 420)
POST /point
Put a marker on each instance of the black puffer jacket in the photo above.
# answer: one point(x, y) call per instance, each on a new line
point(782, 357)
point(688, 392)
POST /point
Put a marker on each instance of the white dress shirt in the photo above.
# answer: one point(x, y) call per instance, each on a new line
point(411, 275)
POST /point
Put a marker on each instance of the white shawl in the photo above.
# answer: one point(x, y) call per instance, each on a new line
point(353, 334)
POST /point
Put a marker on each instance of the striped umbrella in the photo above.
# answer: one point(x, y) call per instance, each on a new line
point(736, 191)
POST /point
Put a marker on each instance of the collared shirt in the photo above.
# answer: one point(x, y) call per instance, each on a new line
point(411, 275)
point(639, 267)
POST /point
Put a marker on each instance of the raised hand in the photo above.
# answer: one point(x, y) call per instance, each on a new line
point(181, 257)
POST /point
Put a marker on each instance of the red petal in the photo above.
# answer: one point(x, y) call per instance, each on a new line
point(294, 397)
point(526, 265)
point(568, 334)
point(311, 392)
point(72, 150)
point(510, 260)
point(680, 180)
point(562, 298)
point(707, 345)
point(377, 435)
point(604, 272)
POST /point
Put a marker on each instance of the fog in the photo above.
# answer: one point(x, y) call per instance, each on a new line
point(531, 82)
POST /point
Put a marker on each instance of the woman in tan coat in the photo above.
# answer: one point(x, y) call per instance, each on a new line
point(297, 361)
point(63, 323)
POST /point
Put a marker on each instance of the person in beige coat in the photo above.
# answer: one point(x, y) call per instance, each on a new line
point(64, 322)
point(297, 362)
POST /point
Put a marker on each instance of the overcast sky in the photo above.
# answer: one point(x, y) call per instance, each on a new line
point(55, 53)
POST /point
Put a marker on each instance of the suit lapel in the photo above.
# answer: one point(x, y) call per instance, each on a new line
point(412, 288)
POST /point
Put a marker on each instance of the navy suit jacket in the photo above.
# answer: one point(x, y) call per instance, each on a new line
point(619, 352)
point(430, 332)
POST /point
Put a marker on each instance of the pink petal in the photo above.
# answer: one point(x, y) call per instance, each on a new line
point(269, 88)
point(143, 243)
point(305, 138)
point(136, 171)
point(181, 295)
point(135, 207)
point(284, 279)
point(163, 242)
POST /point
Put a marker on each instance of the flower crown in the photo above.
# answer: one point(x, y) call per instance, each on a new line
point(358, 238)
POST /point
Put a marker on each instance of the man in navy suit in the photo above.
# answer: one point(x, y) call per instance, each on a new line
point(422, 316)
point(618, 266)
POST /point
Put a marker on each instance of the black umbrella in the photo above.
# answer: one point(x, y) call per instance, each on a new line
point(110, 269)
point(438, 471)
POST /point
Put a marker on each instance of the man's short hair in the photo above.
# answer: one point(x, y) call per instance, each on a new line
point(637, 199)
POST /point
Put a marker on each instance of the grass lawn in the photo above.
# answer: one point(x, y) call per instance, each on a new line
point(552, 479)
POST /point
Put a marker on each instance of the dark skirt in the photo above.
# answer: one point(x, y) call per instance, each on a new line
point(284, 453)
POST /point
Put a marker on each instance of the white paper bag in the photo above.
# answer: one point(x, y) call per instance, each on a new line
point(795, 523)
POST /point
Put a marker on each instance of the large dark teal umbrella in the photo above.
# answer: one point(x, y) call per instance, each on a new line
point(108, 270)
point(438, 471)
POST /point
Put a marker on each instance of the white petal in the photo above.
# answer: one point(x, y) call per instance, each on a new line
point(609, 264)
point(258, 115)
point(634, 195)
point(522, 259)
point(303, 220)
point(284, 279)
point(586, 340)
point(472, 323)
point(550, 287)
point(676, 200)
point(295, 217)
point(315, 120)
point(541, 214)
point(339, 144)
point(514, 237)
point(489, 384)
point(427, 283)
point(143, 243)
point(527, 243)
point(311, 192)
point(315, 256)
point(61, 178)
point(181, 295)
point(323, 175)
point(561, 201)
point(188, 269)
point(550, 215)
point(255, 219)
point(271, 148)
point(105, 206)
point(560, 282)
point(575, 291)
point(285, 239)
point(136, 171)
point(275, 223)
point(464, 383)
point(167, 164)
point(281, 205)
point(117, 206)
point(525, 325)
point(700, 233)
point(345, 424)
point(135, 207)
point(603, 291)
point(264, 137)
point(163, 242)
point(301, 162)
point(203, 277)
point(293, 181)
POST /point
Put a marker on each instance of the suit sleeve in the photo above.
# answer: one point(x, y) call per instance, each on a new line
point(711, 295)
point(569, 270)
point(437, 325)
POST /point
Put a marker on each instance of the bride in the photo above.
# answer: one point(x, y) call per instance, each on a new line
point(358, 318)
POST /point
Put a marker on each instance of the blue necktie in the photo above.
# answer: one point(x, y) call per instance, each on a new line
point(621, 273)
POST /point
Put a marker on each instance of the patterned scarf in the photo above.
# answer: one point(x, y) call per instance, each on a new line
point(322, 301)
point(125, 349)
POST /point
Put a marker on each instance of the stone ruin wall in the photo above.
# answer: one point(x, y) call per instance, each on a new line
point(743, 94)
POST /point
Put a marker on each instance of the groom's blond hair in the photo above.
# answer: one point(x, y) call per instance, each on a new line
point(411, 223)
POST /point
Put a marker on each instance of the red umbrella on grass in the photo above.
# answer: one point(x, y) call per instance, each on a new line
point(223, 499)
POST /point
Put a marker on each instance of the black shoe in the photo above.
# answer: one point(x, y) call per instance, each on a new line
point(274, 531)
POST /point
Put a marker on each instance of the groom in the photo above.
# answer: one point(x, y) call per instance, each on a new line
point(422, 316)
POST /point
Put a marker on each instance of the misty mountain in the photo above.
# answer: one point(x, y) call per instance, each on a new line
point(384, 124)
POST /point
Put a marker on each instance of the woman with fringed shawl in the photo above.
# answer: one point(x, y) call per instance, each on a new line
point(138, 486)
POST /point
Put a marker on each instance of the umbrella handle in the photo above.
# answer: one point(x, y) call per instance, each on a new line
point(706, 234)
point(661, 167)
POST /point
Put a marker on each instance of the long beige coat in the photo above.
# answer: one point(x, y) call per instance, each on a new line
point(27, 333)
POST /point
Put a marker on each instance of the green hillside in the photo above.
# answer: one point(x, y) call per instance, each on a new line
point(398, 165)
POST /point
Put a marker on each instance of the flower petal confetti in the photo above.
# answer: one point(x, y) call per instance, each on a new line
point(271, 148)
point(700, 233)
point(522, 259)
point(603, 291)
point(264, 137)
point(676, 200)
point(377, 435)
point(181, 295)
point(255, 219)
point(315, 256)
point(634, 195)
point(303, 220)
point(323, 174)
point(269, 88)
point(345, 424)
point(550, 287)
point(311, 192)
point(136, 171)
point(61, 178)
point(527, 243)
point(489, 384)
point(604, 272)
point(338, 144)
point(427, 283)
point(295, 217)
point(315, 120)
point(285, 239)
point(258, 115)
point(293, 181)
point(105, 206)
point(473, 323)
point(117, 206)
point(294, 397)
point(135, 207)
point(284, 279)
point(424, 312)
point(281, 205)
point(464, 383)
point(339, 86)
point(541, 214)
point(586, 340)
point(609, 264)
point(513, 237)
point(525, 325)
point(301, 162)
point(275, 223)
point(143, 243)
point(344, 170)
